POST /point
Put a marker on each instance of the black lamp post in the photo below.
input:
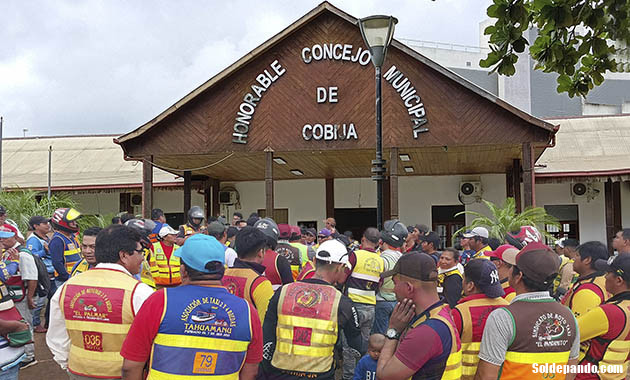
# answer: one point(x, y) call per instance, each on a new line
point(377, 33)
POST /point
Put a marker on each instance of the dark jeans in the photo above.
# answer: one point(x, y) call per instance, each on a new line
point(53, 288)
point(382, 311)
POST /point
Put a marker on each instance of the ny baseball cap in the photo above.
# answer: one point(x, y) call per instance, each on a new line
point(536, 260)
point(199, 250)
point(416, 265)
point(619, 265)
point(167, 230)
point(485, 275)
point(6, 232)
point(477, 231)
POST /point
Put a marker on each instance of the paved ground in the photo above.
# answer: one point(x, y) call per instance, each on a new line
point(46, 369)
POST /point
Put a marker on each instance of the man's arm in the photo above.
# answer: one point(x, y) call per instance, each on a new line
point(269, 328)
point(132, 370)
point(57, 337)
point(584, 300)
point(389, 367)
point(35, 245)
point(487, 371)
point(453, 289)
point(284, 269)
point(7, 327)
point(497, 335)
point(263, 291)
point(55, 249)
point(248, 372)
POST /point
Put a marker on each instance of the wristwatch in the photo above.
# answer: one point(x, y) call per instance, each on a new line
point(392, 334)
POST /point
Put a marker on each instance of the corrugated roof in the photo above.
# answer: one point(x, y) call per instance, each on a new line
point(77, 161)
point(590, 146)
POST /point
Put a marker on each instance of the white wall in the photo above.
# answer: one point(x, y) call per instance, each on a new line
point(97, 203)
point(416, 195)
point(591, 214)
point(355, 193)
point(172, 201)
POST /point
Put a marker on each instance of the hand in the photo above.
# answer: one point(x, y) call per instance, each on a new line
point(13, 253)
point(45, 246)
point(402, 315)
point(31, 303)
point(17, 326)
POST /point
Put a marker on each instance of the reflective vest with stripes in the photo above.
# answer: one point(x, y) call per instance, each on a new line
point(556, 281)
point(442, 277)
point(270, 262)
point(80, 267)
point(307, 328)
point(71, 250)
point(308, 271)
point(303, 251)
point(544, 333)
point(204, 334)
point(451, 368)
point(292, 254)
point(510, 293)
point(365, 277)
point(98, 311)
point(595, 282)
point(474, 311)
point(164, 271)
point(239, 281)
point(605, 352)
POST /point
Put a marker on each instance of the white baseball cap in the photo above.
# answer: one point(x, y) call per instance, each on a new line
point(167, 230)
point(333, 251)
point(477, 231)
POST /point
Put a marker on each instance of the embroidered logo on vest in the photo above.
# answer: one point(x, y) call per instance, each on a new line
point(208, 316)
point(551, 330)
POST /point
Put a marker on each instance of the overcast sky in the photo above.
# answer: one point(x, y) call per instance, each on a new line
point(84, 67)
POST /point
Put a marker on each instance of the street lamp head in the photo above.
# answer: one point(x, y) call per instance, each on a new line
point(377, 33)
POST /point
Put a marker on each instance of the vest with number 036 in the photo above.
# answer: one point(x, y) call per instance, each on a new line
point(165, 271)
point(451, 367)
point(544, 333)
point(365, 277)
point(71, 250)
point(474, 311)
point(98, 311)
point(607, 352)
point(307, 329)
point(204, 334)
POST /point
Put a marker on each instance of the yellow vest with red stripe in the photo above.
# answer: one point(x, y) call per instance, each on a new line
point(472, 330)
point(453, 368)
point(98, 311)
point(365, 277)
point(307, 328)
point(164, 271)
point(238, 281)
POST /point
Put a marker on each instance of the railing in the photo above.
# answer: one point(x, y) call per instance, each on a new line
point(443, 45)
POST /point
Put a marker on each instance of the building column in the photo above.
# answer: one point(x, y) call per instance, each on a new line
point(393, 183)
point(216, 207)
point(612, 201)
point(330, 197)
point(269, 183)
point(516, 184)
point(187, 191)
point(529, 180)
point(147, 187)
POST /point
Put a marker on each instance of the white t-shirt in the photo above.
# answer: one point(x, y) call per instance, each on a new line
point(230, 256)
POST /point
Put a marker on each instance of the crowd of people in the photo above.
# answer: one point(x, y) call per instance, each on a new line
point(252, 299)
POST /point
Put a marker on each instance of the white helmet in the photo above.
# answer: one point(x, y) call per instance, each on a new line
point(333, 251)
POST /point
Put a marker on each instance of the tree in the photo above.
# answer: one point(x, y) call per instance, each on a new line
point(576, 39)
point(505, 219)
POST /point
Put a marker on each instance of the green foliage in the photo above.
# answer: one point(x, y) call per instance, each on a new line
point(504, 219)
point(22, 205)
point(574, 38)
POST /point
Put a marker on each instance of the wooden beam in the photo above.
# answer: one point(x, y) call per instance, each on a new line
point(330, 197)
point(516, 184)
point(616, 188)
point(147, 187)
point(393, 183)
point(529, 180)
point(612, 204)
point(269, 183)
point(216, 207)
point(187, 191)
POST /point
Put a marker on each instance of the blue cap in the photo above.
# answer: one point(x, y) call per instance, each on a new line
point(200, 249)
point(6, 232)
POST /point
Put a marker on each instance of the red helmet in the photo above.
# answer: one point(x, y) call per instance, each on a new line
point(524, 236)
point(64, 219)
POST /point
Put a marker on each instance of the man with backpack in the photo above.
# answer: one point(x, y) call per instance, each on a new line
point(24, 284)
point(37, 243)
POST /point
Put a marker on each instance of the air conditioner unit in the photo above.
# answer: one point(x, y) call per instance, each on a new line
point(227, 197)
point(579, 189)
point(470, 189)
point(136, 199)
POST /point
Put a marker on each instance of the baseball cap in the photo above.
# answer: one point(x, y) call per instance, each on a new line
point(485, 275)
point(324, 232)
point(416, 265)
point(536, 260)
point(6, 232)
point(200, 250)
point(167, 230)
point(333, 251)
point(619, 265)
point(500, 251)
point(222, 220)
point(285, 231)
point(311, 231)
point(37, 219)
point(216, 228)
point(477, 231)
point(560, 242)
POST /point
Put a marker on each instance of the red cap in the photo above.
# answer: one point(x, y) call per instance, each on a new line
point(498, 253)
point(285, 231)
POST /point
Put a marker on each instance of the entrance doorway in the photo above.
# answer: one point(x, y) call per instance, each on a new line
point(445, 223)
point(356, 220)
